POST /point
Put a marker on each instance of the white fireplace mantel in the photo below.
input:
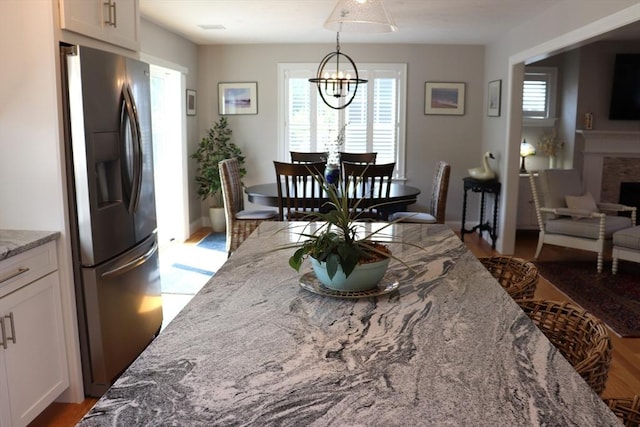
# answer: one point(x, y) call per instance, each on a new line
point(599, 144)
point(611, 141)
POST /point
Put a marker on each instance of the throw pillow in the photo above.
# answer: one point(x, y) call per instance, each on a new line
point(583, 203)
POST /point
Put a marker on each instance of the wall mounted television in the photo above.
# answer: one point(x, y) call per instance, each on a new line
point(625, 90)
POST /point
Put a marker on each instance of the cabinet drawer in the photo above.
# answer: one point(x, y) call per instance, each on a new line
point(24, 268)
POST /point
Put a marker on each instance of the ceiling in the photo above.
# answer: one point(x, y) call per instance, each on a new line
point(301, 21)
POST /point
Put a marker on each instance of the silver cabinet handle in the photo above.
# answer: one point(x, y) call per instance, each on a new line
point(111, 8)
point(21, 270)
point(115, 15)
point(3, 343)
point(13, 329)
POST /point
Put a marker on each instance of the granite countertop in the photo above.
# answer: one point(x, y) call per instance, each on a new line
point(14, 242)
point(449, 347)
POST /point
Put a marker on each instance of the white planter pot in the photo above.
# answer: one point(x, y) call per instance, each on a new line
point(217, 218)
point(362, 278)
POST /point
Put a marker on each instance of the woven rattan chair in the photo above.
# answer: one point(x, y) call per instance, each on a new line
point(240, 223)
point(438, 202)
point(517, 276)
point(581, 337)
point(627, 409)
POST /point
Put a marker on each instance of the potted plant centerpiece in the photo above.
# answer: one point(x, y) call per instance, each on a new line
point(343, 255)
point(215, 147)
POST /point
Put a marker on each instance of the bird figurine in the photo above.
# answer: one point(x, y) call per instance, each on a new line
point(484, 173)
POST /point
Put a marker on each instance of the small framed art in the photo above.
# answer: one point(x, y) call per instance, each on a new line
point(444, 98)
point(238, 98)
point(494, 98)
point(191, 102)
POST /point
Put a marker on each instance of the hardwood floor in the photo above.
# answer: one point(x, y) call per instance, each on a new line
point(624, 374)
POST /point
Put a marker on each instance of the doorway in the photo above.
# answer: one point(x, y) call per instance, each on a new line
point(169, 148)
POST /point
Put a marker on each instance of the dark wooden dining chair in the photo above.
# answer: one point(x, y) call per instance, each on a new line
point(299, 189)
point(307, 157)
point(358, 157)
point(240, 222)
point(367, 185)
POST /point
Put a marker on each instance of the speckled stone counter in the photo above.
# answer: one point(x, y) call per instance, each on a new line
point(13, 242)
point(449, 347)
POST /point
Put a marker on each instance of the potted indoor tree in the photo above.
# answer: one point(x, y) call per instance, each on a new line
point(215, 147)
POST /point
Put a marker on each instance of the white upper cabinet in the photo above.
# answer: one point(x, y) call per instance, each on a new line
point(113, 21)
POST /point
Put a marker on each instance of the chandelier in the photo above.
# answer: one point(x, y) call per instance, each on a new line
point(337, 76)
point(337, 86)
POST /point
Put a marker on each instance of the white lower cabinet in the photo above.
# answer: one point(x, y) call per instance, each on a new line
point(33, 360)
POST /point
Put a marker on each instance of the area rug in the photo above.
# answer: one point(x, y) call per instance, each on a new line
point(214, 241)
point(178, 278)
point(185, 269)
point(613, 299)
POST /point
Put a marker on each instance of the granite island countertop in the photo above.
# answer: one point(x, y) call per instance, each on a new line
point(449, 347)
point(14, 242)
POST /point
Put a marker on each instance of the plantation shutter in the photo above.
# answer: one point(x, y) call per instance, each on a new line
point(384, 119)
point(372, 118)
point(535, 95)
point(299, 118)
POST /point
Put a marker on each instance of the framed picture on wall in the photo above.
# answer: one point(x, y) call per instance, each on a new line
point(238, 98)
point(191, 102)
point(444, 98)
point(494, 98)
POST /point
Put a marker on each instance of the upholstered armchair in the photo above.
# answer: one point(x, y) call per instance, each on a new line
point(569, 217)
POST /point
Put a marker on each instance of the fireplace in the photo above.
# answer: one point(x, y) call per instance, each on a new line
point(615, 172)
point(630, 196)
point(609, 159)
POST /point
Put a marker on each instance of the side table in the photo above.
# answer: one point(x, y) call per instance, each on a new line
point(482, 187)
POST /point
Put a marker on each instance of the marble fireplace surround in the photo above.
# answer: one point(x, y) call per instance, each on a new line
point(609, 158)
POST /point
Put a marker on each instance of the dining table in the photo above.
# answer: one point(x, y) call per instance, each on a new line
point(399, 198)
point(438, 343)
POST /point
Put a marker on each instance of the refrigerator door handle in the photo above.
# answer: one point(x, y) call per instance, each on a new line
point(131, 119)
point(131, 264)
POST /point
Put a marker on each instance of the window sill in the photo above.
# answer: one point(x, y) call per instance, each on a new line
point(527, 122)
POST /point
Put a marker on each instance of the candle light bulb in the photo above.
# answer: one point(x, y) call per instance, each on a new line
point(326, 74)
point(340, 75)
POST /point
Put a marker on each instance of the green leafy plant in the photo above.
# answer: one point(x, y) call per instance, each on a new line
point(215, 147)
point(335, 240)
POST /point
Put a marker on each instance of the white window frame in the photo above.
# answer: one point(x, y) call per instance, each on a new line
point(551, 76)
point(285, 70)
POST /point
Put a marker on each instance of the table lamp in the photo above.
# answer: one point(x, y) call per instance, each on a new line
point(526, 150)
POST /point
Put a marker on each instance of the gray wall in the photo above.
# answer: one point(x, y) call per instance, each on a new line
point(456, 139)
point(596, 75)
point(170, 50)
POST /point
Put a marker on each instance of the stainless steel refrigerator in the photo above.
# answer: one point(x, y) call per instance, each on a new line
point(112, 210)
